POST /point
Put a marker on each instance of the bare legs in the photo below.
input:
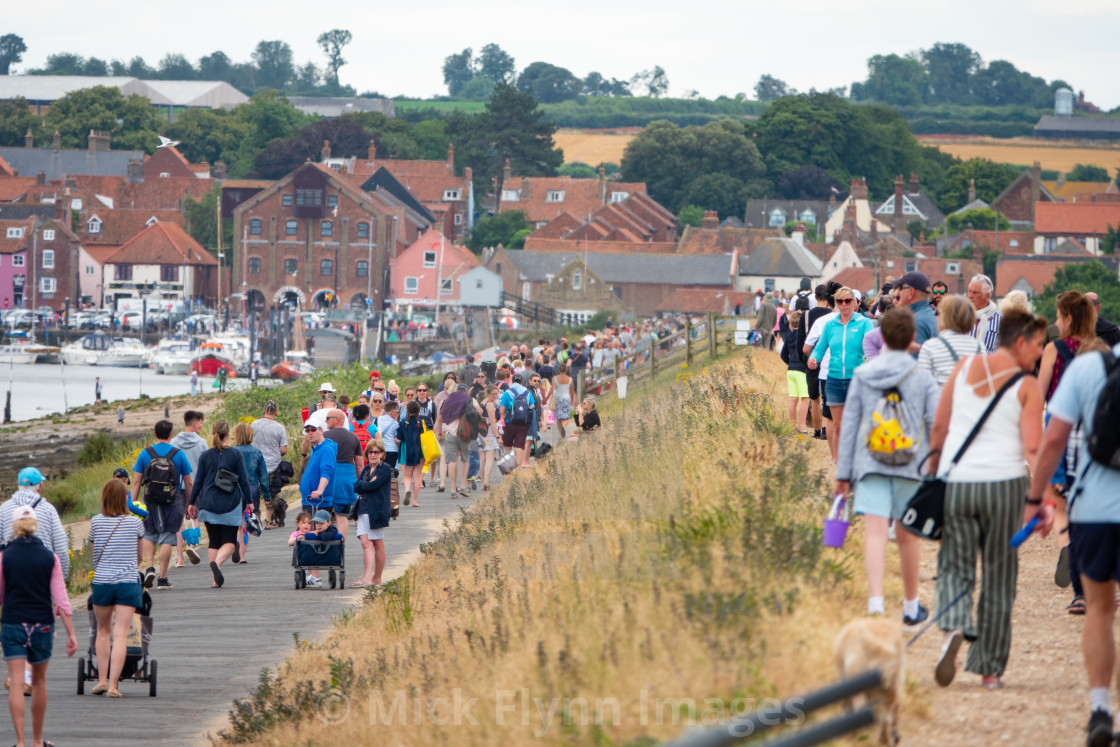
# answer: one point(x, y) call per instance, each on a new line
point(411, 476)
point(875, 556)
point(16, 699)
point(487, 467)
point(115, 625)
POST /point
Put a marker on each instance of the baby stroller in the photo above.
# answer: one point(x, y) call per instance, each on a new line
point(137, 666)
point(328, 555)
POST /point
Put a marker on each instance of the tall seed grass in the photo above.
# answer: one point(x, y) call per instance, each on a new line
point(665, 571)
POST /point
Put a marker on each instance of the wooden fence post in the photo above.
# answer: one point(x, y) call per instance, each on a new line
point(580, 383)
point(711, 334)
point(652, 358)
point(688, 341)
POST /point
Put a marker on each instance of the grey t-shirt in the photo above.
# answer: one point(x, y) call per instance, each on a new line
point(348, 444)
point(269, 436)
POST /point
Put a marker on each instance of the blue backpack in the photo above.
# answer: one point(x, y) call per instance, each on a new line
point(519, 413)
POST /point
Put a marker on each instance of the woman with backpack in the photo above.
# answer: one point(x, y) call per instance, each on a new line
point(258, 479)
point(412, 453)
point(884, 471)
point(796, 382)
point(1077, 322)
point(219, 497)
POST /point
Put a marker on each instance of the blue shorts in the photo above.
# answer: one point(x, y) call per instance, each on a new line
point(836, 390)
point(1098, 550)
point(107, 595)
point(879, 495)
point(31, 641)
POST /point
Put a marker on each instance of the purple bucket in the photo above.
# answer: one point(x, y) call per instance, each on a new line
point(835, 527)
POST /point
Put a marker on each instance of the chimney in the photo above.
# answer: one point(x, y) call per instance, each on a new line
point(41, 179)
point(69, 181)
point(850, 216)
point(28, 139)
point(1061, 179)
point(525, 188)
point(372, 152)
point(56, 144)
point(1036, 186)
point(451, 155)
point(98, 141)
point(135, 170)
point(899, 220)
point(507, 173)
point(220, 170)
point(859, 189)
point(711, 220)
point(798, 234)
point(971, 191)
point(326, 150)
point(915, 188)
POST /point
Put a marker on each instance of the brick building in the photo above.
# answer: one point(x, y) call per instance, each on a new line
point(39, 263)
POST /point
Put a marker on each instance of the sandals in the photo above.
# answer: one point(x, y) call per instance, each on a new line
point(100, 689)
point(1077, 606)
point(359, 585)
point(219, 579)
point(991, 682)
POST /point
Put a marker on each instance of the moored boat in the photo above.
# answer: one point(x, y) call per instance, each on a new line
point(16, 353)
point(86, 350)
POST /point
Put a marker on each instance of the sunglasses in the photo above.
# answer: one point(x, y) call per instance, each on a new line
point(309, 429)
point(939, 292)
point(421, 390)
point(845, 300)
point(379, 389)
point(378, 400)
point(376, 451)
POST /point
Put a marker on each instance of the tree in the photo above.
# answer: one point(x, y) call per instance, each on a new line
point(981, 219)
point(215, 66)
point(656, 82)
point(808, 183)
point(267, 116)
point(176, 67)
point(11, 51)
point(274, 62)
point(1085, 276)
point(458, 69)
point(1087, 173)
point(1000, 83)
point(596, 85)
point(208, 135)
point(137, 68)
point(950, 68)
point(549, 83)
point(690, 215)
point(15, 120)
point(431, 137)
point(991, 179)
point(491, 230)
point(577, 170)
point(307, 78)
point(895, 80)
point(477, 89)
point(63, 63)
point(769, 88)
point(494, 64)
point(131, 122)
point(332, 42)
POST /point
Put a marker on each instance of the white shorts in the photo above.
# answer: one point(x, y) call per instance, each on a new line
point(365, 531)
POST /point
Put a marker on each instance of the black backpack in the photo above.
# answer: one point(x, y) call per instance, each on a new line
point(519, 413)
point(161, 478)
point(1104, 441)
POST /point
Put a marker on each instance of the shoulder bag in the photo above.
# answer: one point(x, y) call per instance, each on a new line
point(925, 512)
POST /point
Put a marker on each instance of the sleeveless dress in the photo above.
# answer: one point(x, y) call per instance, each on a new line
point(562, 399)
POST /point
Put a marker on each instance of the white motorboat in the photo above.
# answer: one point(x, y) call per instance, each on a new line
point(44, 353)
point(86, 350)
point(173, 356)
point(125, 354)
point(17, 354)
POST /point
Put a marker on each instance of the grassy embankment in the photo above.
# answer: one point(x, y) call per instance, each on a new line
point(666, 570)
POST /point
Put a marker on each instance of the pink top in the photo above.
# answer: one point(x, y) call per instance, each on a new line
point(58, 588)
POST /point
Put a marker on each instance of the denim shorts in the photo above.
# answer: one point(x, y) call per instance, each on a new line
point(107, 595)
point(161, 538)
point(31, 641)
point(836, 390)
point(879, 495)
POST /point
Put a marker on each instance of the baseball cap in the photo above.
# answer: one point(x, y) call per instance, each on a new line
point(919, 281)
point(375, 374)
point(120, 472)
point(322, 517)
point(30, 476)
point(858, 295)
point(517, 378)
point(317, 419)
point(806, 283)
point(23, 512)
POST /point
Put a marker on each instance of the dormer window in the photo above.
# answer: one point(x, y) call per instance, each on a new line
point(554, 195)
point(777, 217)
point(451, 195)
point(15, 233)
point(165, 175)
point(510, 195)
point(150, 221)
point(619, 196)
point(93, 225)
point(807, 216)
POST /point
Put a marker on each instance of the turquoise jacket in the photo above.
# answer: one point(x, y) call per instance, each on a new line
point(845, 342)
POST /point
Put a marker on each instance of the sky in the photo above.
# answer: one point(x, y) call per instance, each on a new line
point(719, 47)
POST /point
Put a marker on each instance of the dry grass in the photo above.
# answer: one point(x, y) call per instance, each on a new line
point(593, 146)
point(1051, 154)
point(673, 558)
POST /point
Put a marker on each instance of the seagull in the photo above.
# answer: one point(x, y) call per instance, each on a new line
point(166, 143)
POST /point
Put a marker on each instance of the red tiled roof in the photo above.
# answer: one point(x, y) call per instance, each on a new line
point(857, 278)
point(162, 244)
point(1024, 239)
point(6, 168)
point(12, 188)
point(724, 240)
point(1038, 271)
point(432, 239)
point(1072, 191)
point(247, 183)
point(617, 247)
point(582, 197)
point(1076, 218)
point(557, 228)
point(14, 246)
point(119, 226)
point(150, 194)
point(703, 300)
point(100, 252)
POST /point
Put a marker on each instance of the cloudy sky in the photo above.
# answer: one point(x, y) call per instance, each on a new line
point(717, 47)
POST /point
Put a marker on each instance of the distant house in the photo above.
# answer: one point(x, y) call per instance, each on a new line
point(843, 258)
point(1007, 242)
point(776, 213)
point(702, 300)
point(56, 162)
point(432, 262)
point(855, 215)
point(712, 238)
point(161, 259)
point(916, 206)
point(1078, 128)
point(1084, 222)
point(1082, 191)
point(1017, 202)
point(331, 107)
point(38, 263)
point(637, 219)
point(543, 198)
point(168, 96)
point(1031, 274)
point(480, 287)
point(777, 265)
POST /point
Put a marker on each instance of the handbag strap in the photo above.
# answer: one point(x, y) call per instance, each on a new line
point(102, 550)
point(988, 411)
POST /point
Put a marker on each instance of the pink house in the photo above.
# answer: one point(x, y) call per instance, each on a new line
point(15, 270)
point(431, 261)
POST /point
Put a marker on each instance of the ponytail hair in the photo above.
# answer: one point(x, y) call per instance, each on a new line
point(219, 432)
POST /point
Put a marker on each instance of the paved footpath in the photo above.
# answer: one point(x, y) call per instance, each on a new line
point(211, 644)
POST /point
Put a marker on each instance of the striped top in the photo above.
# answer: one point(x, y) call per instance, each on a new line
point(113, 541)
point(987, 331)
point(939, 355)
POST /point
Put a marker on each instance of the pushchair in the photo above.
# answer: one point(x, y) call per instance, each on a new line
point(137, 666)
point(320, 555)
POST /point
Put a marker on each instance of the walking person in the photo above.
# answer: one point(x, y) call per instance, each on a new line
point(795, 372)
point(348, 463)
point(163, 472)
point(50, 531)
point(32, 593)
point(271, 438)
point(765, 319)
point(516, 405)
point(219, 497)
point(884, 478)
point(955, 321)
point(115, 593)
point(912, 291)
point(806, 340)
point(316, 484)
point(454, 450)
point(842, 339)
point(258, 480)
point(97, 390)
point(563, 394)
point(988, 317)
point(374, 508)
point(490, 438)
point(192, 444)
point(984, 494)
point(412, 453)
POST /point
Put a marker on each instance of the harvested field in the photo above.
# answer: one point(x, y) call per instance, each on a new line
point(594, 146)
point(1052, 154)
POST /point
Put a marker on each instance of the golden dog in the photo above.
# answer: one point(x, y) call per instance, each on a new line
point(873, 643)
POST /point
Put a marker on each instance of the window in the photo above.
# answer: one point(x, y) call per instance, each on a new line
point(48, 234)
point(48, 259)
point(326, 267)
point(254, 265)
point(554, 195)
point(122, 272)
point(151, 221)
point(75, 204)
point(446, 286)
point(777, 217)
point(911, 266)
point(93, 225)
point(17, 260)
point(768, 284)
point(286, 200)
point(526, 291)
point(363, 269)
point(429, 259)
point(309, 197)
point(577, 281)
point(89, 269)
point(478, 284)
point(291, 267)
point(169, 273)
point(510, 195)
point(363, 230)
point(411, 285)
point(450, 195)
point(255, 227)
point(458, 219)
point(807, 216)
point(48, 285)
point(165, 175)
point(326, 229)
point(1014, 243)
point(332, 200)
point(291, 227)
point(952, 268)
point(619, 196)
point(1049, 245)
point(14, 233)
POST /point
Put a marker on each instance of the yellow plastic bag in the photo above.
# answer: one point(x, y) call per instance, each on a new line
point(429, 444)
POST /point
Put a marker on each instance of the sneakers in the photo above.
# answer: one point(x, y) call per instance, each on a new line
point(149, 577)
point(947, 664)
point(1100, 729)
point(163, 583)
point(192, 556)
point(913, 622)
point(1061, 571)
point(314, 581)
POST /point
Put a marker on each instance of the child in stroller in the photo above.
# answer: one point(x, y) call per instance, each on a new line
point(316, 550)
point(137, 665)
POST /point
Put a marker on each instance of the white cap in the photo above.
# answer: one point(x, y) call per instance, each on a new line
point(23, 512)
point(858, 295)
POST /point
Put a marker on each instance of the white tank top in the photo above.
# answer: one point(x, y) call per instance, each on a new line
point(996, 454)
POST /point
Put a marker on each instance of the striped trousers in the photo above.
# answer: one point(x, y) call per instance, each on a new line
point(981, 517)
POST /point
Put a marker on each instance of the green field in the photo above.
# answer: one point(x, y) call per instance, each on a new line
point(404, 105)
